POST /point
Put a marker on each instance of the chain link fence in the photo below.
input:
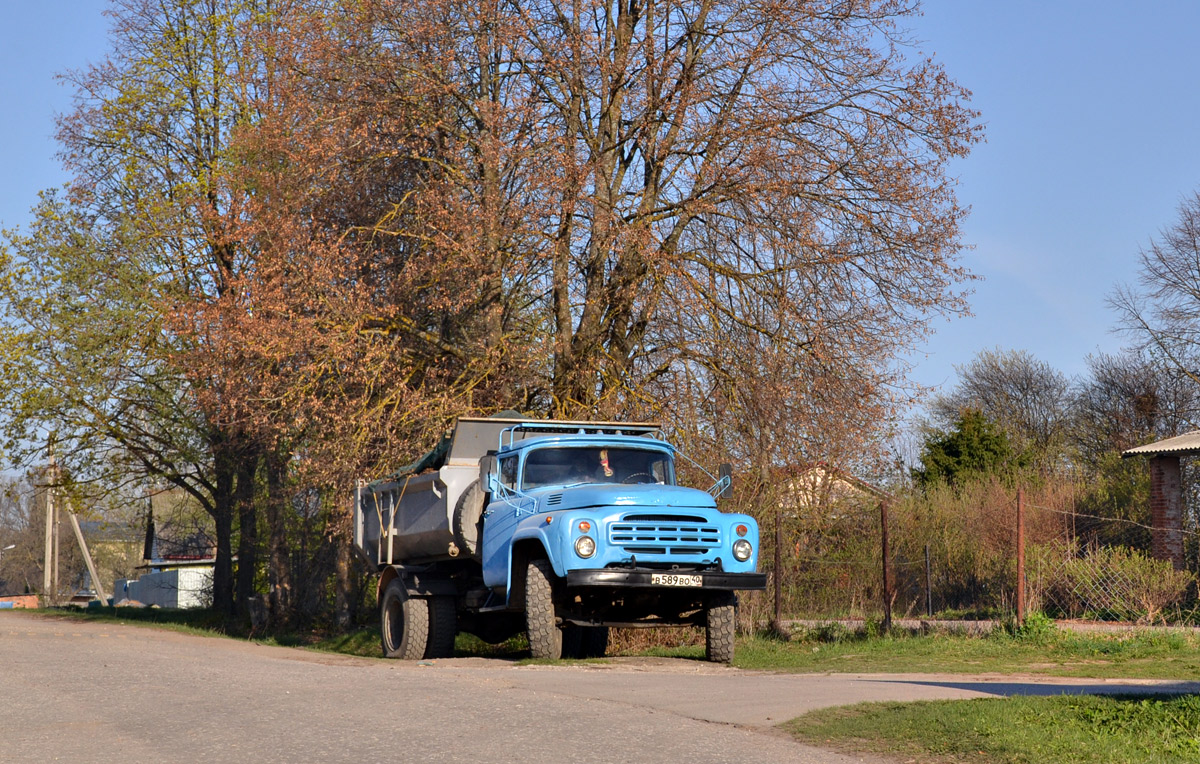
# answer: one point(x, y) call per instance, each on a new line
point(1102, 568)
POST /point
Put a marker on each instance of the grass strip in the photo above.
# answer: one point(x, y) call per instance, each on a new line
point(1045, 651)
point(1141, 654)
point(1069, 729)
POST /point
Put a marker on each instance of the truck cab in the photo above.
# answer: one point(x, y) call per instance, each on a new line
point(601, 516)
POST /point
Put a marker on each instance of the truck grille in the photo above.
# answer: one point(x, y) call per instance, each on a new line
point(664, 534)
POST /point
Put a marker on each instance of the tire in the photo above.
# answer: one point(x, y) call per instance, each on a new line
point(403, 623)
point(584, 641)
point(721, 615)
point(572, 641)
point(545, 637)
point(593, 642)
point(443, 627)
point(468, 514)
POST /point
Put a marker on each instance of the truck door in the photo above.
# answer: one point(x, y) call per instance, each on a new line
point(500, 522)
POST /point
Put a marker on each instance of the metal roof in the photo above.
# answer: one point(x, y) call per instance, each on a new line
point(1180, 445)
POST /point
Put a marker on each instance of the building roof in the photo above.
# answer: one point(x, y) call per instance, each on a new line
point(1181, 445)
point(817, 477)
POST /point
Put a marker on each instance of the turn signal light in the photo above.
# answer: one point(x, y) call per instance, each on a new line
point(584, 526)
point(742, 530)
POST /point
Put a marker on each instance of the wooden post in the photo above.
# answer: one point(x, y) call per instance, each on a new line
point(1021, 555)
point(57, 537)
point(87, 558)
point(48, 555)
point(887, 585)
point(777, 623)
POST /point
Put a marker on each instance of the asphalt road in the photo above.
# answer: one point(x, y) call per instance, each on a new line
point(87, 692)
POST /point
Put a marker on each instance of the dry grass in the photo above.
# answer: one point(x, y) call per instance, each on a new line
point(636, 641)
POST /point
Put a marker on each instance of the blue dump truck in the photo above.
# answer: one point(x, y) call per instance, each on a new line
point(559, 529)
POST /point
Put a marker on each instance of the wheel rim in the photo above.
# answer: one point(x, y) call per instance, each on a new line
point(393, 623)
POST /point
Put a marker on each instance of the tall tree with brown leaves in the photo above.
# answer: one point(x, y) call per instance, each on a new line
point(627, 180)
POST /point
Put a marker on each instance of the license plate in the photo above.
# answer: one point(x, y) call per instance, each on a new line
point(674, 579)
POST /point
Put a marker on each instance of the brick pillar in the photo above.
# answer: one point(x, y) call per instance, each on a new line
point(1166, 510)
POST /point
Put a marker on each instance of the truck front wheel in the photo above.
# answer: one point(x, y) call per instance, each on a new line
point(404, 623)
point(545, 638)
point(720, 614)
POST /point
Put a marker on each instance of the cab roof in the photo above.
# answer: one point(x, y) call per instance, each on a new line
point(573, 440)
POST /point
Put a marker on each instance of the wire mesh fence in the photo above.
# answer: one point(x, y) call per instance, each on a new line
point(954, 554)
point(1104, 568)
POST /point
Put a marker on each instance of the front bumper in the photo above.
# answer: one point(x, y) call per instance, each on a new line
point(641, 579)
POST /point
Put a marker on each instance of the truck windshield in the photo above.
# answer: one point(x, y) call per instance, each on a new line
point(570, 466)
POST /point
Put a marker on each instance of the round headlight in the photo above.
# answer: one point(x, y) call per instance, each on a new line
point(586, 547)
point(741, 550)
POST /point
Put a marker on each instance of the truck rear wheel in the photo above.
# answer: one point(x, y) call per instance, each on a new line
point(443, 627)
point(584, 641)
point(720, 614)
point(545, 637)
point(404, 623)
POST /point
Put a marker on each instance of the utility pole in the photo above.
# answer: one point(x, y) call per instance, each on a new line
point(57, 538)
point(49, 580)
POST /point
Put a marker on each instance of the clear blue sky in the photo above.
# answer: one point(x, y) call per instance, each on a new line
point(1092, 116)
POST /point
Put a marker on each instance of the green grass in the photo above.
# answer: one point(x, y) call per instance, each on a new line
point(1046, 652)
point(1020, 729)
point(364, 642)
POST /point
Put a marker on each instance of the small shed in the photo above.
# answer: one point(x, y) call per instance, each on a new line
point(1166, 493)
point(172, 583)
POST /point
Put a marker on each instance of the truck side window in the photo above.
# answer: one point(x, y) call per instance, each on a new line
point(508, 472)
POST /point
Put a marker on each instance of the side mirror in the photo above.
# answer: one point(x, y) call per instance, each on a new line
point(725, 472)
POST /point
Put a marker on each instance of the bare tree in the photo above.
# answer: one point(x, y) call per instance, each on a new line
point(1162, 315)
point(1027, 397)
point(1128, 399)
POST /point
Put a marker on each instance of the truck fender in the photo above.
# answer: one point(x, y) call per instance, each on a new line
point(527, 545)
point(417, 583)
point(386, 576)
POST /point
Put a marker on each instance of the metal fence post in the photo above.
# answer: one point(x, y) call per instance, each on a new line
point(1021, 555)
point(928, 586)
point(887, 586)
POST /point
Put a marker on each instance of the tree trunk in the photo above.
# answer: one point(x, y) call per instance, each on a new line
point(344, 599)
point(247, 527)
point(222, 512)
point(279, 571)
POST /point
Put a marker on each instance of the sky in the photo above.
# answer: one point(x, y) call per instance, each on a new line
point(1091, 113)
